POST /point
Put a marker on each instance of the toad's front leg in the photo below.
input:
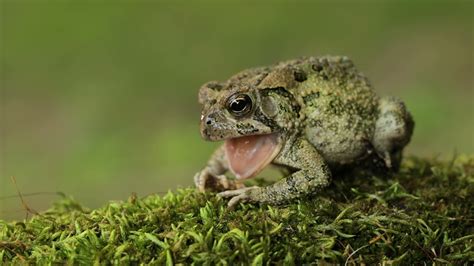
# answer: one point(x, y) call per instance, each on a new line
point(311, 174)
point(212, 176)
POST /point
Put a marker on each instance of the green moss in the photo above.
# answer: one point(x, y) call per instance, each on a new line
point(422, 214)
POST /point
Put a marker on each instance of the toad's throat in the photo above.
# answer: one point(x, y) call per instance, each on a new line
point(248, 155)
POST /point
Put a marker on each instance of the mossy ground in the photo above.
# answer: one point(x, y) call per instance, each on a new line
point(424, 213)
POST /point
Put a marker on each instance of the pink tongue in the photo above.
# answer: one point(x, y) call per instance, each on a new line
point(249, 155)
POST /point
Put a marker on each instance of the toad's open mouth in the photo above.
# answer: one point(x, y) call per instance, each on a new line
point(248, 155)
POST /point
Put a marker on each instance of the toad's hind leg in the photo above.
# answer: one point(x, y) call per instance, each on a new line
point(393, 130)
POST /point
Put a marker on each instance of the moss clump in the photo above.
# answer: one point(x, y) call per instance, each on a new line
point(424, 213)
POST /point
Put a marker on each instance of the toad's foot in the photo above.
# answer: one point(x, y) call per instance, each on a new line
point(238, 195)
point(207, 181)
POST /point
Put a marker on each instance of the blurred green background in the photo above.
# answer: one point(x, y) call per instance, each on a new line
point(99, 99)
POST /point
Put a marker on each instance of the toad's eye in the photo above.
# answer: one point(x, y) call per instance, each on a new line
point(239, 104)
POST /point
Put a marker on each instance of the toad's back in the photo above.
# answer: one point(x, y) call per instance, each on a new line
point(339, 107)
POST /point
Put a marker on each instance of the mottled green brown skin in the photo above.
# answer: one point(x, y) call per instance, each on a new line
point(326, 114)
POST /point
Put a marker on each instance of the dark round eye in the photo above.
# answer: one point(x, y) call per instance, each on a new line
point(239, 104)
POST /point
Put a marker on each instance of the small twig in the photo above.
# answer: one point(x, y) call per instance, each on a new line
point(353, 253)
point(11, 246)
point(23, 202)
point(32, 194)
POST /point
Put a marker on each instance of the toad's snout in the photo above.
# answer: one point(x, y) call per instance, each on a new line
point(213, 127)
